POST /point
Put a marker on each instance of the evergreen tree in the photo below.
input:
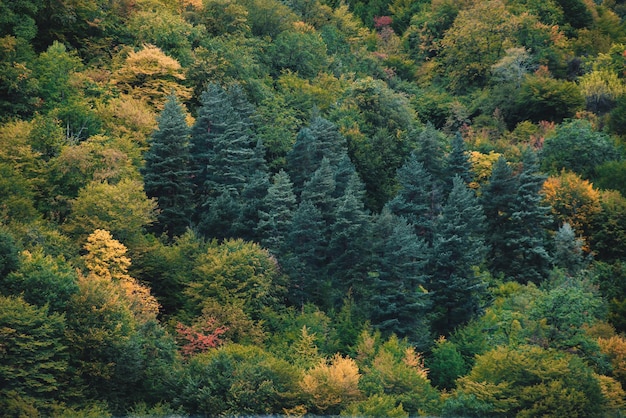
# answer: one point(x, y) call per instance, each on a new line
point(498, 201)
point(457, 249)
point(167, 171)
point(430, 152)
point(211, 122)
point(527, 238)
point(232, 174)
point(415, 200)
point(276, 216)
point(348, 249)
point(568, 251)
point(458, 163)
point(319, 191)
point(305, 263)
point(398, 301)
point(320, 140)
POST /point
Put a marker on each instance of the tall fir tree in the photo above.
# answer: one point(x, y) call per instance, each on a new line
point(319, 190)
point(232, 174)
point(458, 248)
point(498, 201)
point(416, 200)
point(568, 251)
point(528, 237)
point(276, 216)
point(167, 172)
point(348, 249)
point(457, 162)
point(398, 301)
point(430, 152)
point(321, 139)
point(305, 261)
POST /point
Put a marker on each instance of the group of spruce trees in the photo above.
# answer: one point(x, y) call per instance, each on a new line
point(410, 269)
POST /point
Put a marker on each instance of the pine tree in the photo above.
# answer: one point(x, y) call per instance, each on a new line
point(430, 152)
point(276, 216)
point(527, 237)
point(415, 200)
point(458, 163)
point(398, 301)
point(320, 140)
point(348, 249)
point(498, 201)
point(211, 122)
point(319, 190)
point(568, 251)
point(458, 248)
point(232, 174)
point(167, 172)
point(305, 263)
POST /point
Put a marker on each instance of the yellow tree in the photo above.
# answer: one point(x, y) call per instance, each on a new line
point(151, 75)
point(106, 260)
point(573, 200)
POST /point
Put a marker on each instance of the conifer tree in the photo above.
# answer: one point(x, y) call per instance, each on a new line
point(276, 216)
point(457, 249)
point(319, 190)
point(415, 200)
point(498, 201)
point(232, 174)
point(568, 251)
point(305, 263)
point(527, 238)
point(398, 300)
point(430, 152)
point(321, 139)
point(348, 249)
point(167, 172)
point(458, 163)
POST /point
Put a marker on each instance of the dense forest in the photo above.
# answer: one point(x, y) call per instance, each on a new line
point(364, 208)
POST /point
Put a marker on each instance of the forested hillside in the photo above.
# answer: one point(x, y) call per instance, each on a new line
point(364, 208)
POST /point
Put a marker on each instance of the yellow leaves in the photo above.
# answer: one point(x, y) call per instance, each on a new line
point(151, 75)
point(482, 165)
point(331, 384)
point(615, 348)
point(106, 260)
point(573, 200)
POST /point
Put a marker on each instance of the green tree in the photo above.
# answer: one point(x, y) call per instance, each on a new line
point(528, 381)
point(576, 146)
point(457, 162)
point(498, 201)
point(306, 263)
point(416, 199)
point(527, 237)
point(568, 251)
point(275, 221)
point(236, 272)
point(34, 357)
point(458, 290)
point(43, 280)
point(302, 51)
point(167, 172)
point(397, 298)
point(9, 255)
point(122, 208)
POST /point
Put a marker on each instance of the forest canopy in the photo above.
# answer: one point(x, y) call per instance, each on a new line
point(310, 207)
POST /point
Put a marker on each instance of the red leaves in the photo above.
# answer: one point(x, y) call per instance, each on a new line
point(199, 339)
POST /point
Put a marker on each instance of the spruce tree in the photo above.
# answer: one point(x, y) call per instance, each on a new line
point(458, 163)
point(397, 299)
point(167, 171)
point(415, 201)
point(498, 201)
point(458, 248)
point(276, 216)
point(232, 174)
point(321, 139)
point(568, 251)
point(319, 190)
point(348, 249)
point(527, 238)
point(305, 261)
